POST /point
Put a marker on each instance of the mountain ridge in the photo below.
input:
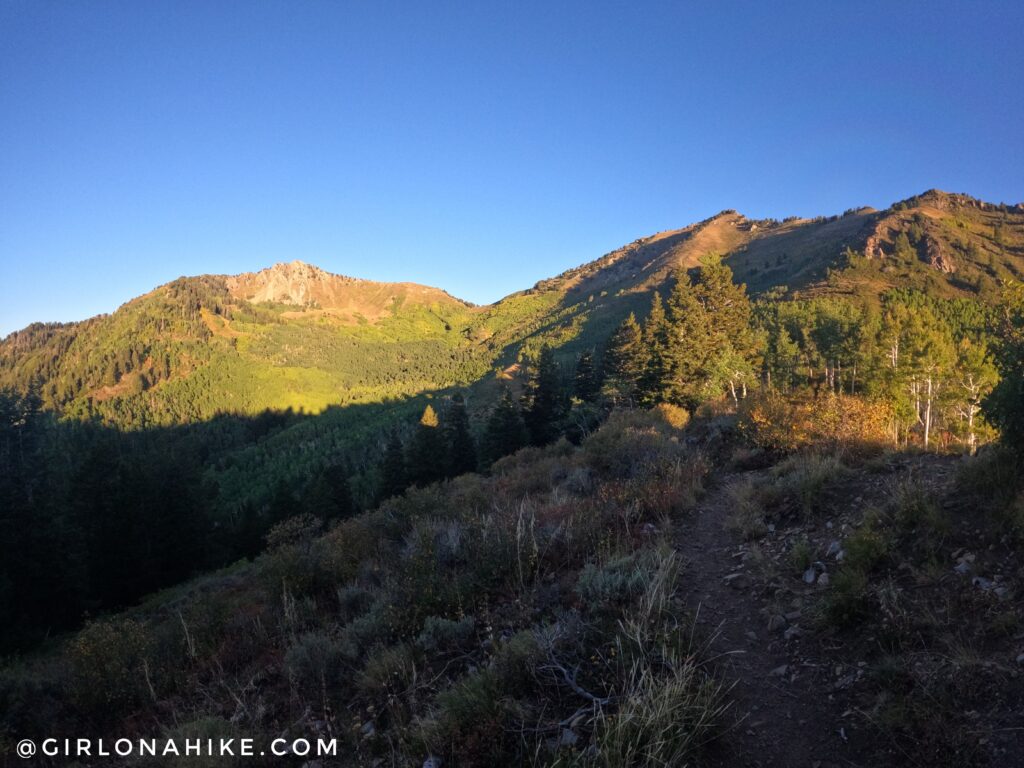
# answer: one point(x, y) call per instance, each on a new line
point(293, 282)
point(295, 335)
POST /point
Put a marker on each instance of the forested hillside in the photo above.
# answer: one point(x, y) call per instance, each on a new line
point(325, 435)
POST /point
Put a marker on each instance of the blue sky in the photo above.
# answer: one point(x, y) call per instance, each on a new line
point(474, 146)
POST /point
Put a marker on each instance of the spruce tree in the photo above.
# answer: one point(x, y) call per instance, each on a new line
point(317, 499)
point(394, 477)
point(328, 496)
point(624, 360)
point(282, 504)
point(655, 383)
point(707, 347)
point(586, 383)
point(544, 400)
point(461, 448)
point(505, 431)
point(427, 456)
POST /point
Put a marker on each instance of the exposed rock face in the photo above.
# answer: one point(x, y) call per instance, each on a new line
point(935, 256)
point(292, 283)
point(305, 286)
point(873, 246)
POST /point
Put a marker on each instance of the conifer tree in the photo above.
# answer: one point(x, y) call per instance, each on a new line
point(505, 431)
point(623, 361)
point(544, 399)
point(282, 504)
point(113, 374)
point(328, 496)
point(656, 379)
point(427, 455)
point(586, 383)
point(709, 346)
point(248, 530)
point(461, 448)
point(394, 475)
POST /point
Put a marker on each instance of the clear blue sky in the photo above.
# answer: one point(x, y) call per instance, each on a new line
point(475, 146)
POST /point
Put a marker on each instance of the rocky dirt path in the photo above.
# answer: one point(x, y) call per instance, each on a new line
point(785, 713)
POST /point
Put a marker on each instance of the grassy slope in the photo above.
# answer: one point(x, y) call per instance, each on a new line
point(437, 624)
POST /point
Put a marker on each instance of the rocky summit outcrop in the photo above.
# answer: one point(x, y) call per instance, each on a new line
point(309, 287)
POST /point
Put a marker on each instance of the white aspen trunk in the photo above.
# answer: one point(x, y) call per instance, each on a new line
point(928, 413)
point(972, 440)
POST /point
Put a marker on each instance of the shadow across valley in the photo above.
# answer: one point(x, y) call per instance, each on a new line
point(93, 518)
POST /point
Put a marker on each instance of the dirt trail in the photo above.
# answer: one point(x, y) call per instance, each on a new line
point(781, 717)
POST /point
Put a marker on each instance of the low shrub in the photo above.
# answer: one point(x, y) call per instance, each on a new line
point(110, 673)
point(388, 671)
point(994, 478)
point(439, 634)
point(616, 580)
point(746, 516)
point(376, 626)
point(806, 480)
point(313, 664)
point(919, 519)
point(515, 663)
point(631, 443)
point(475, 719)
point(846, 423)
point(801, 555)
point(847, 600)
point(354, 601)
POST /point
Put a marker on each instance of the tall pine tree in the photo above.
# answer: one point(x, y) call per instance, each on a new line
point(586, 382)
point(545, 404)
point(623, 361)
point(461, 448)
point(427, 454)
point(394, 477)
point(505, 431)
point(655, 384)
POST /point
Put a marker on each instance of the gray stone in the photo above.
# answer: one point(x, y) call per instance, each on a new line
point(776, 622)
point(791, 633)
point(433, 762)
point(737, 580)
point(810, 575)
point(823, 580)
point(780, 671)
